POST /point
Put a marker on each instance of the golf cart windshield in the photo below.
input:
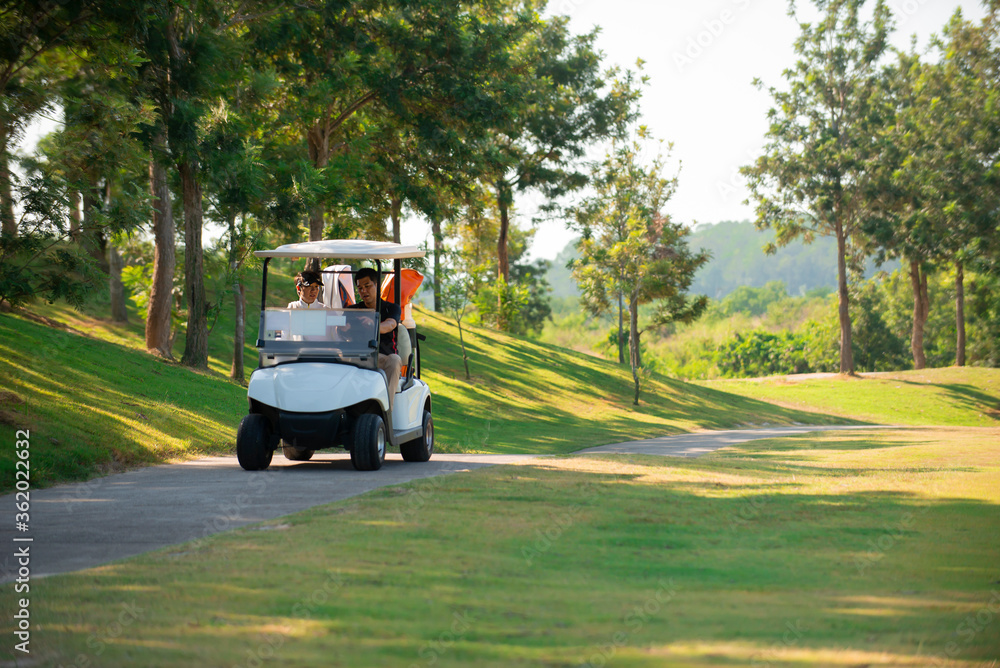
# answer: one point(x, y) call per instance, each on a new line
point(320, 334)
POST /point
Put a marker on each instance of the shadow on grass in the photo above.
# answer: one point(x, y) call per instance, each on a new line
point(549, 564)
point(974, 399)
point(93, 404)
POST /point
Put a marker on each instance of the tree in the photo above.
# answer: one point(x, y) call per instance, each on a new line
point(824, 133)
point(629, 247)
point(456, 286)
point(564, 105)
point(953, 173)
point(77, 59)
point(34, 33)
point(235, 179)
point(197, 40)
point(346, 66)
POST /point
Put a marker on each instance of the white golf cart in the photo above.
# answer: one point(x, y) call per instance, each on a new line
point(318, 384)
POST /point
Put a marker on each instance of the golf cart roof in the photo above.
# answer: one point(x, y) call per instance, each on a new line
point(348, 249)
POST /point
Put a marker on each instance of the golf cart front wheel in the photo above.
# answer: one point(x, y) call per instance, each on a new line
point(253, 443)
point(368, 452)
point(420, 449)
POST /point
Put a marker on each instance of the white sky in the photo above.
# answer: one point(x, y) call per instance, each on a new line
point(701, 58)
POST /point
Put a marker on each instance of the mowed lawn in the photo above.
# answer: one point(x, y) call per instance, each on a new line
point(959, 396)
point(840, 549)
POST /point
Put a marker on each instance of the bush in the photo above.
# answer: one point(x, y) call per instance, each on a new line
point(761, 353)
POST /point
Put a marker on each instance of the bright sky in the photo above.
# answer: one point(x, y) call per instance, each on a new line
point(701, 58)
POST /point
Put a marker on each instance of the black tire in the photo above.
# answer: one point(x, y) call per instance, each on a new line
point(368, 452)
point(420, 449)
point(253, 443)
point(296, 455)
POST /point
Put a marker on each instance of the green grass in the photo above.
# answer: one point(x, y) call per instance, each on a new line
point(954, 396)
point(96, 402)
point(93, 406)
point(840, 549)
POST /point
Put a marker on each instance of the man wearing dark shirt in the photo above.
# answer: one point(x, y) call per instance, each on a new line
point(389, 316)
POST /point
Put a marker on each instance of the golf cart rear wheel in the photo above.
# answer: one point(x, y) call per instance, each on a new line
point(253, 443)
point(420, 449)
point(295, 454)
point(368, 452)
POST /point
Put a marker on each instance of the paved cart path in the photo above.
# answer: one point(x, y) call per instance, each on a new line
point(81, 525)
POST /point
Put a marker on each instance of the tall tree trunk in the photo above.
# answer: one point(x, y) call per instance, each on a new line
point(75, 214)
point(115, 263)
point(461, 340)
point(239, 338)
point(633, 342)
point(438, 240)
point(196, 343)
point(318, 141)
point(846, 352)
point(239, 302)
point(918, 281)
point(621, 328)
point(93, 239)
point(394, 211)
point(158, 324)
point(9, 224)
point(960, 314)
point(504, 198)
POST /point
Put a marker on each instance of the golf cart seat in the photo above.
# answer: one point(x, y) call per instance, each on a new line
point(403, 346)
point(410, 281)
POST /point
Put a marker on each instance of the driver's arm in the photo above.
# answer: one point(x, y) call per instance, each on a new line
point(387, 326)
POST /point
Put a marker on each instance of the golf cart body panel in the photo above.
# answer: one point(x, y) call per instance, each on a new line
point(408, 408)
point(318, 384)
point(310, 387)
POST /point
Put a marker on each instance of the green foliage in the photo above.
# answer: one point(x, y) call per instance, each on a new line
point(751, 301)
point(39, 262)
point(984, 320)
point(760, 353)
point(499, 303)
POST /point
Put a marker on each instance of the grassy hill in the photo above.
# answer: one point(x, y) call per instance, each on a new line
point(951, 396)
point(96, 402)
